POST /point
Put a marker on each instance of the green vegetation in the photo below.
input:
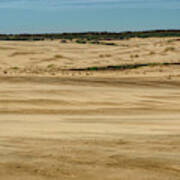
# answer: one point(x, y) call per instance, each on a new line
point(51, 66)
point(152, 53)
point(124, 67)
point(15, 68)
point(93, 37)
point(94, 42)
point(169, 49)
point(134, 56)
point(80, 41)
point(63, 41)
point(105, 55)
point(58, 56)
point(109, 44)
point(93, 68)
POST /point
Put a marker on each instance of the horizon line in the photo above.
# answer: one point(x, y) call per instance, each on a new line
point(86, 32)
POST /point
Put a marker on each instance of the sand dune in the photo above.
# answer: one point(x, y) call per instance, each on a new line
point(105, 125)
point(47, 56)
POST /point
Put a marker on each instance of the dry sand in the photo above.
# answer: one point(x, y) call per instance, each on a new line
point(108, 125)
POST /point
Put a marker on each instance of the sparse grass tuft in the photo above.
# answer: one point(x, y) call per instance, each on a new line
point(79, 41)
point(169, 49)
point(109, 43)
point(124, 67)
point(105, 55)
point(51, 66)
point(154, 64)
point(95, 42)
point(63, 41)
point(15, 68)
point(58, 56)
point(134, 56)
point(152, 53)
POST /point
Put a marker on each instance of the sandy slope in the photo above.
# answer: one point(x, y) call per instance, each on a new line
point(45, 56)
point(90, 125)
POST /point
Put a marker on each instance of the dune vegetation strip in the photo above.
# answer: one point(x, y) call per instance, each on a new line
point(81, 37)
point(124, 67)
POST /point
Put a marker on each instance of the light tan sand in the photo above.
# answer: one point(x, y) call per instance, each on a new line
point(43, 56)
point(122, 125)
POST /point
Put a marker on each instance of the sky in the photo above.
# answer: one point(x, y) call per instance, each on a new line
point(53, 16)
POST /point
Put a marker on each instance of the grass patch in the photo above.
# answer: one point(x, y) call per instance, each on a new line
point(21, 54)
point(169, 49)
point(91, 36)
point(151, 53)
point(63, 41)
point(123, 67)
point(105, 55)
point(109, 43)
point(95, 42)
point(15, 68)
point(93, 68)
point(79, 41)
point(58, 56)
point(134, 56)
point(51, 66)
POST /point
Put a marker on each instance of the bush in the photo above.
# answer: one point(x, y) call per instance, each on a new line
point(63, 41)
point(93, 69)
point(81, 41)
point(109, 44)
point(95, 42)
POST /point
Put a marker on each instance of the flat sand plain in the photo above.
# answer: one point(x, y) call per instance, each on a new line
point(57, 124)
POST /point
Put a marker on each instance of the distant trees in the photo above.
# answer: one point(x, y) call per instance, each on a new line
point(91, 36)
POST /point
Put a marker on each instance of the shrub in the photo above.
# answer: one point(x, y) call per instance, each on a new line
point(93, 69)
point(63, 41)
point(81, 41)
point(95, 42)
point(109, 44)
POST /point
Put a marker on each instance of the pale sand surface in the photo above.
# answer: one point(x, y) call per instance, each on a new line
point(46, 56)
point(122, 125)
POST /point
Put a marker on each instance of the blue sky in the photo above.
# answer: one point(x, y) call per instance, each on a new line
point(39, 16)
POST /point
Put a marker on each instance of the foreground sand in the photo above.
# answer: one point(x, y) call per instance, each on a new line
point(89, 125)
